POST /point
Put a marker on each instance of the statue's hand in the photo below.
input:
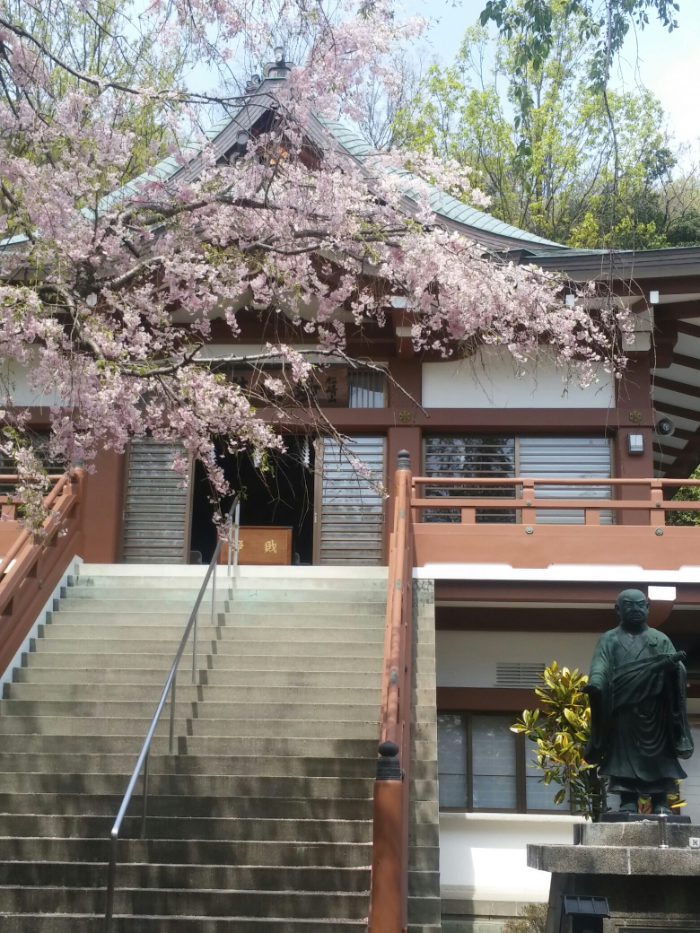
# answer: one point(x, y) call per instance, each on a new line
point(592, 690)
point(673, 659)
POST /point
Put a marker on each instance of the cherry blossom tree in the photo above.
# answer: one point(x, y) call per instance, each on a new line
point(111, 286)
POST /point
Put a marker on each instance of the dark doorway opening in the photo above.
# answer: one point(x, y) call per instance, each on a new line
point(282, 496)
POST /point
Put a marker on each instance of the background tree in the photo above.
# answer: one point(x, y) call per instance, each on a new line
point(604, 23)
point(537, 135)
point(686, 493)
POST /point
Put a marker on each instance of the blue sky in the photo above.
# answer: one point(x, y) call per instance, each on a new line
point(668, 64)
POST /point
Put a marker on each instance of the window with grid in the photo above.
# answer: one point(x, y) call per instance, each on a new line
point(366, 388)
point(494, 456)
point(471, 457)
point(482, 765)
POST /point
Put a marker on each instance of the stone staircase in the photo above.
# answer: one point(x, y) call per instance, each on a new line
point(263, 819)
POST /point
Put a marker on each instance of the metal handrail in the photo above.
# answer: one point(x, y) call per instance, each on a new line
point(233, 526)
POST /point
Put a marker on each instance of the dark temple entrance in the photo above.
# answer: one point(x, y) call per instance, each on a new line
point(282, 495)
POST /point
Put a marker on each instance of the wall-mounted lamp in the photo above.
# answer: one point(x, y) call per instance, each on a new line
point(635, 445)
point(653, 298)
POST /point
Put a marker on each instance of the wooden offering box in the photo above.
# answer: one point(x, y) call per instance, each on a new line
point(261, 544)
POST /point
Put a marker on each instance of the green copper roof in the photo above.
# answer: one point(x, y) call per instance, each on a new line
point(442, 203)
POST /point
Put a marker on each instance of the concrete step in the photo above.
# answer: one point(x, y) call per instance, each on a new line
point(160, 573)
point(282, 746)
point(75, 597)
point(123, 655)
point(89, 923)
point(189, 851)
point(185, 876)
point(193, 902)
point(279, 807)
point(362, 671)
point(267, 616)
point(314, 630)
point(136, 710)
point(253, 764)
point(248, 685)
point(277, 747)
point(356, 727)
point(254, 828)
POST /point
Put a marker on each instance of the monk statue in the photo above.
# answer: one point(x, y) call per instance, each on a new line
point(639, 724)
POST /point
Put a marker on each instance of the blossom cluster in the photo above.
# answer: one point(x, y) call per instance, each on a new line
point(110, 286)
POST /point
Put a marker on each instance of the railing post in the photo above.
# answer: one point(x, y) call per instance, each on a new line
point(111, 871)
point(529, 513)
point(389, 883)
point(387, 861)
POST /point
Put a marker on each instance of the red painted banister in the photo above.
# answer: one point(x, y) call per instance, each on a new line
point(389, 887)
point(34, 563)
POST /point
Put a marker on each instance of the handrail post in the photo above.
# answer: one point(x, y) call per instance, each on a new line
point(236, 534)
point(389, 882)
point(386, 915)
point(111, 871)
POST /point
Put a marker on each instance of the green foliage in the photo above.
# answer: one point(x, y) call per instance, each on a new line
point(537, 135)
point(686, 493)
point(561, 733)
point(604, 24)
point(532, 919)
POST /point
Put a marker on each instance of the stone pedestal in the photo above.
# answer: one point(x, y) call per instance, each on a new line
point(648, 872)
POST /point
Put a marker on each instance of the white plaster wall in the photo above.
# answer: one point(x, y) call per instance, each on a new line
point(14, 382)
point(483, 855)
point(468, 659)
point(492, 379)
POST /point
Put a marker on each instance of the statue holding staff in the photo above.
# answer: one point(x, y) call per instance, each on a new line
point(639, 724)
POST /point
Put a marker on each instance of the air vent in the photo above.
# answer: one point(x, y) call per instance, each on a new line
point(518, 674)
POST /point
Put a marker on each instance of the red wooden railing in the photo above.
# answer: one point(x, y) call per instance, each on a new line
point(619, 521)
point(523, 495)
point(33, 563)
point(389, 888)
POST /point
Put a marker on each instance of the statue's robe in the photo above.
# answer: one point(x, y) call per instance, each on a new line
point(639, 725)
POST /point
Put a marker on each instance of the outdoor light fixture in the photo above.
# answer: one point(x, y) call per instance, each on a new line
point(569, 301)
point(635, 444)
point(653, 298)
point(279, 54)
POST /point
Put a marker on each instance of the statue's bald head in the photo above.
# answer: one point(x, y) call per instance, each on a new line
point(632, 608)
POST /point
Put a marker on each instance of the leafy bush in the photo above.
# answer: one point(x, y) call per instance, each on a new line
point(561, 732)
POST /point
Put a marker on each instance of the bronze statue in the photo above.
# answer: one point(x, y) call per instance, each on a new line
point(639, 724)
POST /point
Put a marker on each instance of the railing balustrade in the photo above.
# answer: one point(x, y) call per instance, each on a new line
point(232, 526)
point(34, 561)
point(532, 495)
